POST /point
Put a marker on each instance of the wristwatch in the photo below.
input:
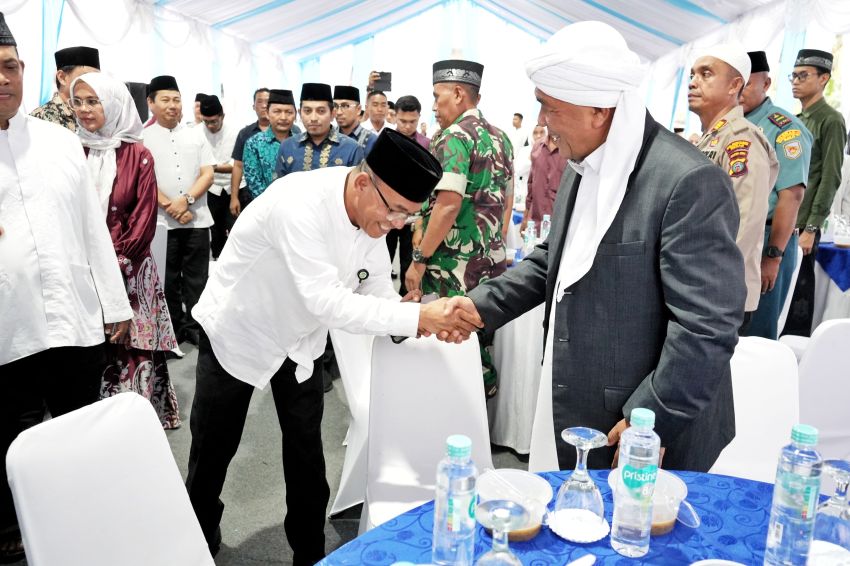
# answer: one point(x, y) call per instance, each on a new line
point(417, 256)
point(811, 228)
point(189, 198)
point(773, 251)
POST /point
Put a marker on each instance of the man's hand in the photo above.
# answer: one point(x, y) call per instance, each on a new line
point(373, 77)
point(186, 217)
point(465, 308)
point(177, 208)
point(449, 323)
point(412, 296)
point(413, 277)
point(235, 205)
point(769, 272)
point(807, 241)
point(117, 332)
point(614, 438)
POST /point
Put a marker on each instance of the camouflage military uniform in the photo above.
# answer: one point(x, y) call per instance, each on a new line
point(56, 111)
point(477, 160)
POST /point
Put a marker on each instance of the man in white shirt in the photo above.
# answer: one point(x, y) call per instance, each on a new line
point(376, 102)
point(60, 286)
point(307, 255)
point(183, 163)
point(221, 138)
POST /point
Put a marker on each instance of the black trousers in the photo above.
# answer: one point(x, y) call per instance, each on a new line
point(401, 238)
point(218, 417)
point(802, 311)
point(187, 265)
point(220, 210)
point(58, 379)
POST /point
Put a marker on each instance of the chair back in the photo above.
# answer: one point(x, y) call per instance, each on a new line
point(825, 387)
point(767, 405)
point(100, 487)
point(422, 392)
point(783, 315)
point(354, 357)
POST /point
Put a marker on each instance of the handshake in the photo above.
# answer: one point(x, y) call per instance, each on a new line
point(449, 319)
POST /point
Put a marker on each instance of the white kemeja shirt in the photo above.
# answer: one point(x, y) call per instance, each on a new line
point(59, 277)
point(221, 143)
point(289, 272)
point(178, 156)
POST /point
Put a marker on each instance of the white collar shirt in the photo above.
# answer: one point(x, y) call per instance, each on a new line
point(368, 125)
point(59, 277)
point(221, 143)
point(293, 267)
point(178, 156)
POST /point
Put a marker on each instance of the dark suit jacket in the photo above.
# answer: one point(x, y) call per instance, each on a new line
point(654, 322)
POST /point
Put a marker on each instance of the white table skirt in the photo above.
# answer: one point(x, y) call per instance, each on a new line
point(830, 301)
point(517, 354)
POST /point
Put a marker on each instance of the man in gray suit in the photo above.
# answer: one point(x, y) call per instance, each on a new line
point(643, 284)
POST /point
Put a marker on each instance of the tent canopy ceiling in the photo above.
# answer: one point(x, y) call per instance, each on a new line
point(308, 28)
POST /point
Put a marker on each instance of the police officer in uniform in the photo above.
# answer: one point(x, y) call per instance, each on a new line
point(793, 145)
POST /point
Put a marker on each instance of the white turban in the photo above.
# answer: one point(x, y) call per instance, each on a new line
point(589, 64)
point(733, 54)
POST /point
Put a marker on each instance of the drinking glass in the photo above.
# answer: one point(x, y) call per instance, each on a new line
point(500, 516)
point(832, 523)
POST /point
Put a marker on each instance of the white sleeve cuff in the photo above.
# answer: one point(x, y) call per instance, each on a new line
point(453, 182)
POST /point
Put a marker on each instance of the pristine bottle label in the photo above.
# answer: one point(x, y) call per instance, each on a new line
point(640, 482)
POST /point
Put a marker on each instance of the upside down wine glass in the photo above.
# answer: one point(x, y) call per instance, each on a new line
point(500, 516)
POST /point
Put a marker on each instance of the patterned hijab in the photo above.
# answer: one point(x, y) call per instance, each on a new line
point(122, 125)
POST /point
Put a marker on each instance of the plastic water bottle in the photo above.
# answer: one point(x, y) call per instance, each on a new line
point(545, 226)
point(454, 505)
point(795, 499)
point(638, 469)
point(530, 238)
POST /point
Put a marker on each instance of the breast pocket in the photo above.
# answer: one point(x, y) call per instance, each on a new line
point(621, 248)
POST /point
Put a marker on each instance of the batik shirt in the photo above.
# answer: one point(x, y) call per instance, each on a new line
point(477, 162)
point(364, 138)
point(258, 161)
point(301, 154)
point(56, 111)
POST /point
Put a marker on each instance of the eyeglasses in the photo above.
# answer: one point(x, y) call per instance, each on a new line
point(78, 103)
point(394, 217)
point(343, 106)
point(802, 76)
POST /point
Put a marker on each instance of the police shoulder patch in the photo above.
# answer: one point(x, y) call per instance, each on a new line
point(779, 119)
point(718, 125)
point(738, 152)
point(788, 135)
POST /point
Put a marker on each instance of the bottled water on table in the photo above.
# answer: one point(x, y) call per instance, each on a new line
point(454, 505)
point(638, 469)
point(545, 226)
point(795, 499)
point(530, 238)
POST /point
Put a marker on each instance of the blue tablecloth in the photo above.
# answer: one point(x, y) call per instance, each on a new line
point(734, 513)
point(836, 262)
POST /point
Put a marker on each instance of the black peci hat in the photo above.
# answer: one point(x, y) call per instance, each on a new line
point(162, 82)
point(316, 91)
point(814, 58)
point(6, 37)
point(458, 71)
point(347, 93)
point(404, 165)
point(80, 56)
point(211, 106)
point(279, 96)
point(758, 62)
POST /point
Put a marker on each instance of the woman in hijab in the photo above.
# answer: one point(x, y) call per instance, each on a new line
point(122, 171)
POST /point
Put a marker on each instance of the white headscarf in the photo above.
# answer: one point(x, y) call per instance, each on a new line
point(589, 64)
point(122, 125)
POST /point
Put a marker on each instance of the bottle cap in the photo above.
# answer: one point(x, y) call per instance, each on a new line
point(804, 434)
point(642, 418)
point(547, 217)
point(458, 446)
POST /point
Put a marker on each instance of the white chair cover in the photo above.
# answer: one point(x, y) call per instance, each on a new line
point(354, 357)
point(99, 487)
point(422, 392)
point(767, 405)
point(517, 353)
point(825, 387)
point(783, 316)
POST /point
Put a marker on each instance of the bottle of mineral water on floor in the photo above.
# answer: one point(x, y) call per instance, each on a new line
point(454, 505)
point(638, 469)
point(545, 226)
point(795, 499)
